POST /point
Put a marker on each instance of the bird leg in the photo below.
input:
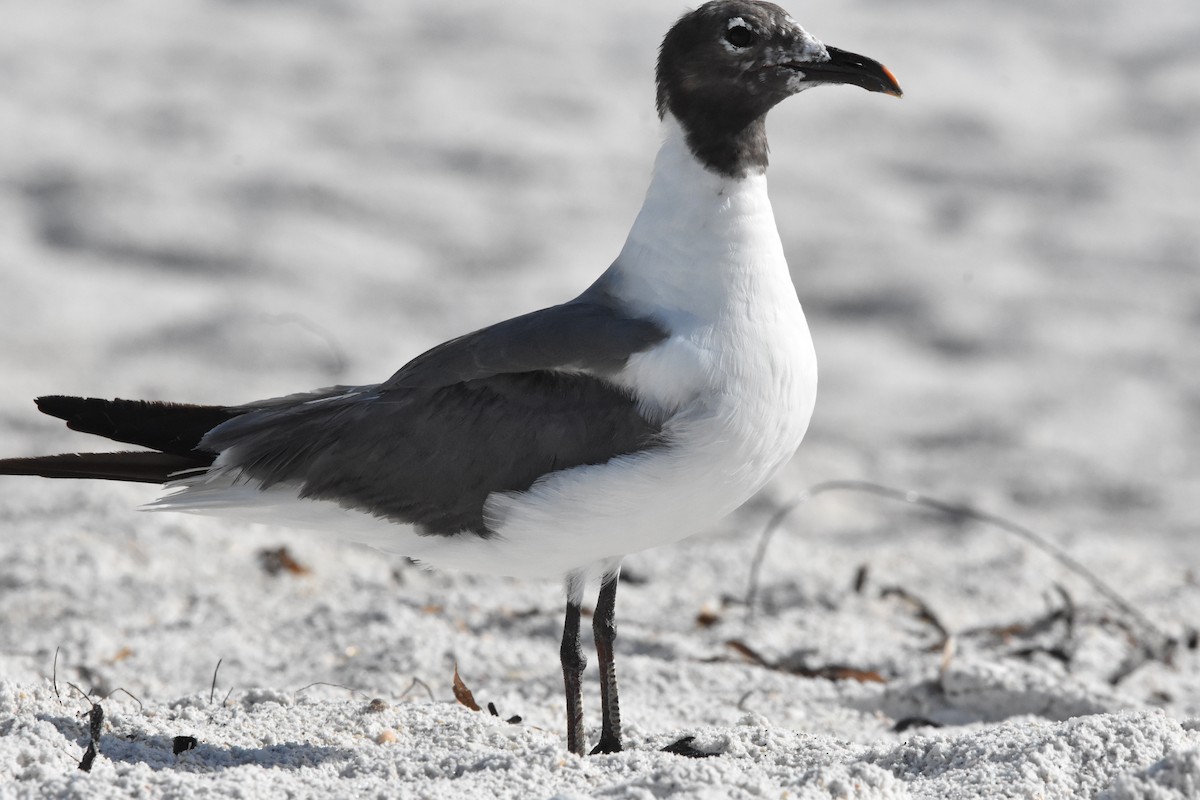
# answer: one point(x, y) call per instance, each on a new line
point(604, 626)
point(573, 662)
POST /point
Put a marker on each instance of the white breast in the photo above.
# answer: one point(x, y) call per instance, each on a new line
point(734, 384)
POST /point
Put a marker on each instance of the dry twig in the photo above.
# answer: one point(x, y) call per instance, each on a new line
point(1158, 648)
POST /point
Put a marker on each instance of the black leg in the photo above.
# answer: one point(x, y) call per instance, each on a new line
point(604, 625)
point(573, 662)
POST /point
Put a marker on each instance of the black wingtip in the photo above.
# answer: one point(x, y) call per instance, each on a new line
point(169, 427)
point(58, 405)
point(137, 467)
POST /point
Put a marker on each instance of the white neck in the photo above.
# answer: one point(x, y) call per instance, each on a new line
point(701, 241)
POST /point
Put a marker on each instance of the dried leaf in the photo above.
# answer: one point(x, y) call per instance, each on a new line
point(748, 652)
point(275, 561)
point(462, 694)
point(833, 672)
point(851, 674)
point(922, 609)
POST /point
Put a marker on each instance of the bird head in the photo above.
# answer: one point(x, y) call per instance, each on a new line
point(722, 67)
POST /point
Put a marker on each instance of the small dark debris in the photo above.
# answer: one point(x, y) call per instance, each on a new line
point(95, 721)
point(706, 618)
point(279, 559)
point(1057, 653)
point(376, 706)
point(860, 578)
point(1043, 624)
point(95, 726)
point(515, 719)
point(89, 756)
point(684, 748)
point(922, 609)
point(1132, 664)
point(181, 744)
point(1193, 639)
point(914, 722)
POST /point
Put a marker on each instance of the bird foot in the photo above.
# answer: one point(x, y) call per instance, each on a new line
point(607, 745)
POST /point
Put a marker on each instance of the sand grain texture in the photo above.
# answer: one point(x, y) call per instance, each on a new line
point(220, 201)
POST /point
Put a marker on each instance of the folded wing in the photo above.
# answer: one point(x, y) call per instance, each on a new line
point(488, 412)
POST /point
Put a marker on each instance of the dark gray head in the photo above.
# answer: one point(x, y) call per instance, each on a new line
point(723, 66)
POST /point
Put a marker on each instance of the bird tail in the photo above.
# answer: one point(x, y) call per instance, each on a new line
point(172, 430)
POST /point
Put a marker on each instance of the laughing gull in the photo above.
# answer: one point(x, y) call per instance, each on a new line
point(554, 443)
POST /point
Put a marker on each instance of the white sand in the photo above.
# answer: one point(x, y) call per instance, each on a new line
point(221, 201)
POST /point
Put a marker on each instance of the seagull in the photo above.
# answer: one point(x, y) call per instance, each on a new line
point(552, 444)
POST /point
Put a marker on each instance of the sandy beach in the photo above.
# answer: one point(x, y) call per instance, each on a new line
point(217, 201)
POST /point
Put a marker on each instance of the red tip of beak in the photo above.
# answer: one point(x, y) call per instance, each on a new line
point(896, 92)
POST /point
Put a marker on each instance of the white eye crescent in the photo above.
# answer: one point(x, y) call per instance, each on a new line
point(739, 35)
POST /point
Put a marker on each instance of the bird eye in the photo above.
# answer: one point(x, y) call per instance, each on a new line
point(740, 36)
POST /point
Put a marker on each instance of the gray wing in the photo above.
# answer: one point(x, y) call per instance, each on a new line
point(492, 411)
point(577, 336)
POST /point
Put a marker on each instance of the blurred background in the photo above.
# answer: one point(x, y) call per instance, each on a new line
point(223, 200)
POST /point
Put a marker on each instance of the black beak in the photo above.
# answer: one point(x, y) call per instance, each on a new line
point(847, 67)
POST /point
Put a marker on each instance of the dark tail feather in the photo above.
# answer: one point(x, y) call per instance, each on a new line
point(170, 427)
point(138, 467)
